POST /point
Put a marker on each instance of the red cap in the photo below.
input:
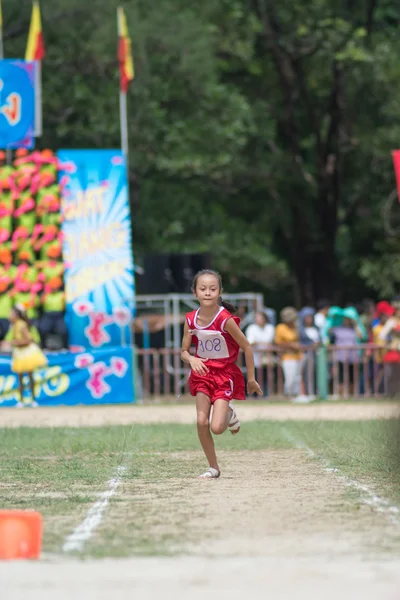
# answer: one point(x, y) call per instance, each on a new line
point(384, 308)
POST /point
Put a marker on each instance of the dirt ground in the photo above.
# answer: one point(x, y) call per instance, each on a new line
point(95, 416)
point(276, 526)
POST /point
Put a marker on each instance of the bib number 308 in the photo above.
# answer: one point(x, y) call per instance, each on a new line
point(213, 345)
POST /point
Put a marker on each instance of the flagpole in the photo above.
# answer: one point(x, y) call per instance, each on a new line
point(38, 100)
point(123, 116)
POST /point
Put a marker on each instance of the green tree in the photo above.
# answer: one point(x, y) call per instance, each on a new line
point(259, 131)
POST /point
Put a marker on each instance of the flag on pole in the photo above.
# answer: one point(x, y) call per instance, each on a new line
point(396, 162)
point(35, 46)
point(125, 59)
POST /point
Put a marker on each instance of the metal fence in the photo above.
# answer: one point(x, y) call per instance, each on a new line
point(334, 371)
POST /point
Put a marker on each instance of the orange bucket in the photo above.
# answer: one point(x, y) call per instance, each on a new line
point(20, 534)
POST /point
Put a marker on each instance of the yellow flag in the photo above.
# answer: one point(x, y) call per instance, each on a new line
point(35, 46)
point(127, 70)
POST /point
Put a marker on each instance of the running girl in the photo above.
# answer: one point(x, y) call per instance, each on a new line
point(215, 379)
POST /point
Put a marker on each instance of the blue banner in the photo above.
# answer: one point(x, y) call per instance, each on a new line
point(17, 103)
point(98, 377)
point(97, 247)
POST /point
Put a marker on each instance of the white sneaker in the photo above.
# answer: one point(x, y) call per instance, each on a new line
point(302, 400)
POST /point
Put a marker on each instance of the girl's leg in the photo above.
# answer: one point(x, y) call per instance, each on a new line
point(32, 385)
point(203, 406)
point(221, 415)
point(21, 386)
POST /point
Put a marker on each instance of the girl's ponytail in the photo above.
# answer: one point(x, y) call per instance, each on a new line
point(227, 305)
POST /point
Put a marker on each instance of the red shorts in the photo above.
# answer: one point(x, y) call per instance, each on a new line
point(219, 384)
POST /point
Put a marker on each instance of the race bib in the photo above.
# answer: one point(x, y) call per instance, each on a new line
point(211, 344)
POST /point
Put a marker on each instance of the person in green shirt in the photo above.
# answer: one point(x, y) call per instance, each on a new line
point(53, 306)
point(49, 269)
point(6, 212)
point(48, 206)
point(25, 212)
point(27, 269)
point(22, 294)
point(6, 304)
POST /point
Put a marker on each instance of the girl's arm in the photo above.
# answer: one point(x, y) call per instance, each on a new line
point(25, 338)
point(240, 338)
point(196, 364)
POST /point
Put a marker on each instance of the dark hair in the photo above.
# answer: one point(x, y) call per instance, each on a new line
point(264, 316)
point(324, 303)
point(21, 315)
point(218, 277)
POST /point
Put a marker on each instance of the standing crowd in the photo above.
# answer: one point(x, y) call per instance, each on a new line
point(352, 333)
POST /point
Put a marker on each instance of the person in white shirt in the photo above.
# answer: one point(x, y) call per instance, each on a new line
point(320, 318)
point(261, 335)
point(310, 338)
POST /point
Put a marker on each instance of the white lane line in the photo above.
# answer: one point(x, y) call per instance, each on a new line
point(367, 495)
point(76, 540)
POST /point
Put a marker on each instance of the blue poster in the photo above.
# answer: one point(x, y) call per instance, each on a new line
point(17, 103)
point(97, 377)
point(97, 247)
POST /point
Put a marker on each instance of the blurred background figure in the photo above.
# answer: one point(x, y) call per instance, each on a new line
point(390, 334)
point(311, 338)
point(27, 356)
point(323, 307)
point(347, 330)
point(250, 317)
point(52, 320)
point(261, 335)
point(384, 311)
point(287, 337)
point(368, 316)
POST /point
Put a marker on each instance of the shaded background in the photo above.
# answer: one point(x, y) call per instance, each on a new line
point(261, 131)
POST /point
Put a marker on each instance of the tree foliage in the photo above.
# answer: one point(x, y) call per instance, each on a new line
point(259, 130)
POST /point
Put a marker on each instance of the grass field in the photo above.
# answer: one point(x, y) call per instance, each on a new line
point(314, 492)
point(59, 471)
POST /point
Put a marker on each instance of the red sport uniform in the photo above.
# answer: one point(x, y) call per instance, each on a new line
point(224, 380)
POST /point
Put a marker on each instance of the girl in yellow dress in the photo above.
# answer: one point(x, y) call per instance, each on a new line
point(26, 354)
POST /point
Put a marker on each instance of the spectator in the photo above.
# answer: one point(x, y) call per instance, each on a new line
point(384, 312)
point(349, 332)
point(287, 337)
point(260, 335)
point(309, 336)
point(391, 335)
point(5, 305)
point(26, 354)
point(52, 321)
point(323, 307)
point(23, 294)
point(383, 307)
point(367, 317)
point(309, 333)
point(250, 318)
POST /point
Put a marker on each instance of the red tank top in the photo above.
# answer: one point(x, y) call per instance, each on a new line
point(212, 341)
